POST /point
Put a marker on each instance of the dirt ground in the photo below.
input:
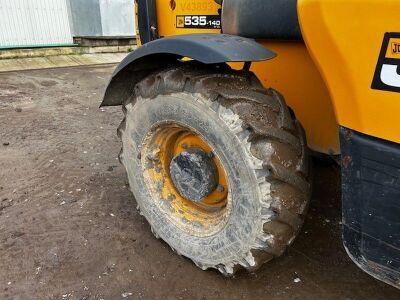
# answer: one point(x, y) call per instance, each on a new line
point(69, 228)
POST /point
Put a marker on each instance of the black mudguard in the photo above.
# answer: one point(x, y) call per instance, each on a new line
point(371, 204)
point(205, 48)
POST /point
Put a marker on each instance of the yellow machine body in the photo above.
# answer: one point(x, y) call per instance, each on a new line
point(170, 14)
point(322, 95)
point(294, 74)
point(346, 48)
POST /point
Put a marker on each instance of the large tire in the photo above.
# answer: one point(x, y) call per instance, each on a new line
point(257, 139)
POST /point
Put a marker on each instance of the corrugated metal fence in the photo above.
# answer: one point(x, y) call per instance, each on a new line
point(34, 23)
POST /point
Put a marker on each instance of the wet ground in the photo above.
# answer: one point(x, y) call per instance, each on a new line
point(69, 228)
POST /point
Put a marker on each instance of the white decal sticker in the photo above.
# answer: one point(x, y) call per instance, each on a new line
point(390, 76)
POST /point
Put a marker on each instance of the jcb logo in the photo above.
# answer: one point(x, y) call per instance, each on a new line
point(395, 48)
point(387, 73)
point(180, 21)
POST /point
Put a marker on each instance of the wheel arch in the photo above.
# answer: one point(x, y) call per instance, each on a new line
point(204, 48)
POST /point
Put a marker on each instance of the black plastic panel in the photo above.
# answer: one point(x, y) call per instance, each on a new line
point(263, 19)
point(147, 20)
point(371, 204)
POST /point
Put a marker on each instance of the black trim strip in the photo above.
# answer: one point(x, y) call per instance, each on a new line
point(147, 20)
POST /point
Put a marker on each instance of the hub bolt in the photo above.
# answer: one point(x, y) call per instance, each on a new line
point(194, 174)
point(154, 155)
point(220, 188)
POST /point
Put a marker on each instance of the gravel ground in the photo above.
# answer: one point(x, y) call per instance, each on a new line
point(69, 228)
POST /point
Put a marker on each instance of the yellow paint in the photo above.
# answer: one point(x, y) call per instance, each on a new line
point(170, 17)
point(345, 38)
point(393, 50)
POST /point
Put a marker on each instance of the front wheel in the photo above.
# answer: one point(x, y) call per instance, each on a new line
point(217, 164)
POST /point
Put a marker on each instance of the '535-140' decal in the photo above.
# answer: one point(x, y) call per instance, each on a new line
point(387, 73)
point(200, 22)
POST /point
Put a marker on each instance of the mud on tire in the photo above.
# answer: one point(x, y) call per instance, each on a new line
point(260, 144)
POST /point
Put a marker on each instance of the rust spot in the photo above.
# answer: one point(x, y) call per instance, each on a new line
point(347, 161)
point(347, 135)
point(172, 4)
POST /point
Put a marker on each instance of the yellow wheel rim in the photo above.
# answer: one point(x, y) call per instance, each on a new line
point(200, 218)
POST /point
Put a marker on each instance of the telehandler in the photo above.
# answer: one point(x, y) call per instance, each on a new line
point(223, 102)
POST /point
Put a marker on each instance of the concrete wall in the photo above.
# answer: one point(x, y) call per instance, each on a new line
point(102, 17)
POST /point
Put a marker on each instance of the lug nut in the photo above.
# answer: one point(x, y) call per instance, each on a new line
point(220, 188)
point(153, 156)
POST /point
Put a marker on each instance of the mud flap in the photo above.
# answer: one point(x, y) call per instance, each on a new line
point(371, 204)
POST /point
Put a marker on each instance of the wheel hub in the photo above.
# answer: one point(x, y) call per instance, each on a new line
point(194, 174)
point(186, 179)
